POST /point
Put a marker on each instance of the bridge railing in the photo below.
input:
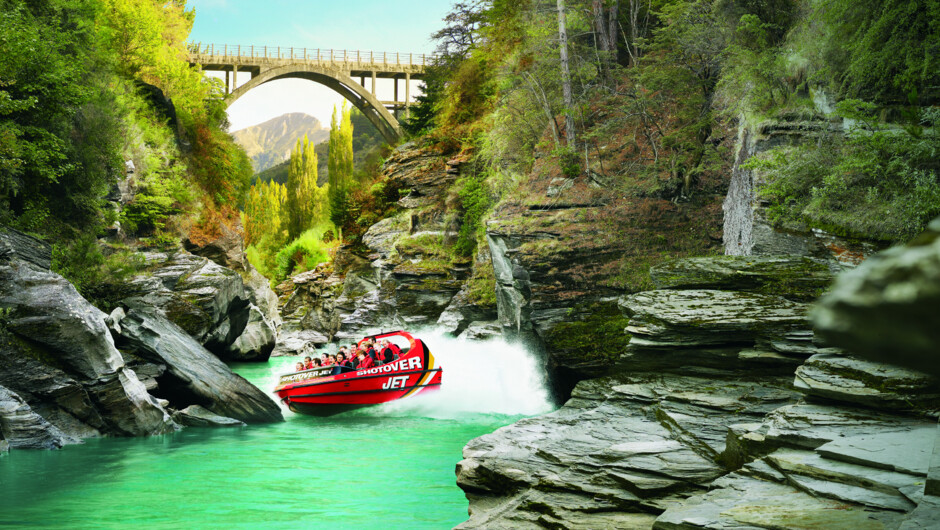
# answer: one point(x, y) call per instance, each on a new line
point(311, 54)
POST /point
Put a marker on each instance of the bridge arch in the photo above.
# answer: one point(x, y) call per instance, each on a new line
point(337, 80)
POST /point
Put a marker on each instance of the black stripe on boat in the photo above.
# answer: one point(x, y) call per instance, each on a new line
point(373, 391)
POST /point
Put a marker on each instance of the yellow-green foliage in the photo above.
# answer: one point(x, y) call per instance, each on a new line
point(341, 168)
point(307, 203)
point(305, 252)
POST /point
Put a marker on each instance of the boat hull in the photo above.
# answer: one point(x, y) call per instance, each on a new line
point(413, 373)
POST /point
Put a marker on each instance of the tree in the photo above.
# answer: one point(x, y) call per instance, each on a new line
point(605, 27)
point(341, 168)
point(565, 73)
point(306, 204)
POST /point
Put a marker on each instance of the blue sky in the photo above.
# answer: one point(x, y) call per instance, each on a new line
point(376, 25)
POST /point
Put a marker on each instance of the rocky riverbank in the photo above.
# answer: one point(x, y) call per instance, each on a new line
point(725, 411)
point(68, 371)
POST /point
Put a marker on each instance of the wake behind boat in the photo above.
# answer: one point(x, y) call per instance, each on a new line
point(329, 390)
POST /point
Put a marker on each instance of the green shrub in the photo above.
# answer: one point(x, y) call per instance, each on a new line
point(303, 253)
point(877, 182)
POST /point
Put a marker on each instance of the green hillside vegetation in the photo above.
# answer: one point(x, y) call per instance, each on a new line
point(77, 100)
point(656, 86)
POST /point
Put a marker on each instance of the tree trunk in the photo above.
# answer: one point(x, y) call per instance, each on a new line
point(600, 26)
point(565, 73)
point(612, 24)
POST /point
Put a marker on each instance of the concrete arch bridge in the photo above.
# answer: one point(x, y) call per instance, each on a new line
point(336, 69)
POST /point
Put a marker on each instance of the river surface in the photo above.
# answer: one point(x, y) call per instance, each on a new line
point(390, 466)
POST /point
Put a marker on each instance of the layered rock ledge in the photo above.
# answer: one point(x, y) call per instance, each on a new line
point(724, 411)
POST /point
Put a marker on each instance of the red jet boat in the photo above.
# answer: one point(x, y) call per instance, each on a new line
point(321, 392)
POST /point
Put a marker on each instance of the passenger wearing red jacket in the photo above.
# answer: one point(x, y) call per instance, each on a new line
point(364, 361)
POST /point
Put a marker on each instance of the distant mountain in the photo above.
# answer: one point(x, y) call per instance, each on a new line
point(367, 145)
point(271, 142)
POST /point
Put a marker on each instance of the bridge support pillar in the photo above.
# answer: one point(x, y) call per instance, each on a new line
point(373, 83)
point(395, 80)
point(227, 91)
point(234, 77)
point(407, 94)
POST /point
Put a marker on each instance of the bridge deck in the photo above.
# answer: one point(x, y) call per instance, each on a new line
point(222, 57)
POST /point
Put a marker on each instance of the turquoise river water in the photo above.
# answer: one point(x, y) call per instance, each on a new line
point(390, 466)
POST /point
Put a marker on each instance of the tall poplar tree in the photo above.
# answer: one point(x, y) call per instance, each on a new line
point(305, 202)
point(341, 167)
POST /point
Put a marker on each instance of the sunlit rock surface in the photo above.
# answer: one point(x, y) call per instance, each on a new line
point(207, 300)
point(194, 375)
point(59, 356)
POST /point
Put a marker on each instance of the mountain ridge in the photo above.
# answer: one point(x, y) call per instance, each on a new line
point(270, 142)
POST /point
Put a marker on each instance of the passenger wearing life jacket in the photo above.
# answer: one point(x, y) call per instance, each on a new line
point(308, 363)
point(341, 364)
point(365, 361)
point(385, 353)
point(396, 351)
point(299, 367)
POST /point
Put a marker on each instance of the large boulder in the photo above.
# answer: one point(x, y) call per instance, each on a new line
point(17, 245)
point(886, 309)
point(194, 375)
point(53, 323)
point(196, 416)
point(207, 300)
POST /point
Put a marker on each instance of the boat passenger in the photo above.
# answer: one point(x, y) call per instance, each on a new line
point(385, 353)
point(341, 364)
point(308, 364)
point(299, 367)
point(396, 351)
point(325, 360)
point(317, 363)
point(365, 361)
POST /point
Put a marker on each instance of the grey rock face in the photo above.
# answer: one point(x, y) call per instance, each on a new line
point(867, 383)
point(207, 300)
point(56, 321)
point(21, 428)
point(886, 309)
point(298, 342)
point(461, 313)
point(17, 245)
point(195, 375)
point(666, 319)
point(789, 276)
point(481, 331)
point(738, 502)
point(262, 296)
point(196, 416)
point(621, 446)
point(257, 340)
point(715, 330)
